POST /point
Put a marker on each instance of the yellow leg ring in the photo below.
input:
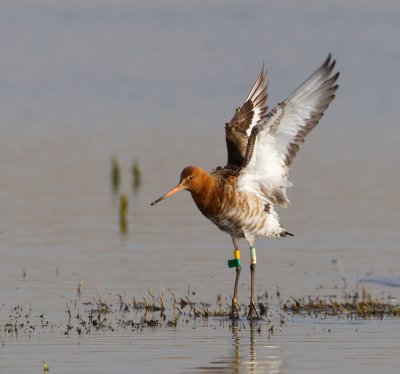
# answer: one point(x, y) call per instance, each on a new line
point(235, 262)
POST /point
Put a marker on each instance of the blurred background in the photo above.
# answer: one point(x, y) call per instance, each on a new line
point(159, 64)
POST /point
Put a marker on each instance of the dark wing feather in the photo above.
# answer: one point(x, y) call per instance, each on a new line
point(245, 118)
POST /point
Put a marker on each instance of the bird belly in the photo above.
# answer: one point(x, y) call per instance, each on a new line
point(243, 214)
point(230, 227)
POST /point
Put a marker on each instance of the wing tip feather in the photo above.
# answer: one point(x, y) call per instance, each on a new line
point(307, 104)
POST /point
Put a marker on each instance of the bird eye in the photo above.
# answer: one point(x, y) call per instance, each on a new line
point(190, 177)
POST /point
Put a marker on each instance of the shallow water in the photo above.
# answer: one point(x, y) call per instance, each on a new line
point(59, 226)
point(82, 82)
point(206, 347)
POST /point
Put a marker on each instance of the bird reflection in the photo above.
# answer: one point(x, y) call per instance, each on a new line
point(236, 345)
point(253, 354)
point(244, 358)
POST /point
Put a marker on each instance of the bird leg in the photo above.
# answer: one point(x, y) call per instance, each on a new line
point(252, 314)
point(234, 314)
point(235, 308)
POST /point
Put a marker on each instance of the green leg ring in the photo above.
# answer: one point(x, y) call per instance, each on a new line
point(234, 263)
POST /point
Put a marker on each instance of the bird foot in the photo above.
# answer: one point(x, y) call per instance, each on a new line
point(252, 314)
point(234, 313)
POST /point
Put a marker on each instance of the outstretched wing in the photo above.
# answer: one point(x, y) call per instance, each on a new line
point(274, 142)
point(245, 118)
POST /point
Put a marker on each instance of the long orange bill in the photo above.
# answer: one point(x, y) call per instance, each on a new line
point(168, 194)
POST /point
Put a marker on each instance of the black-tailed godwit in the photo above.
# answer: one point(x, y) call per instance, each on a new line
point(240, 197)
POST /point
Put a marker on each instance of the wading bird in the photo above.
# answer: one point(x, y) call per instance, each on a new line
point(240, 197)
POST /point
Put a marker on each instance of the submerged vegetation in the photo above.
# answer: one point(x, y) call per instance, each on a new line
point(353, 306)
point(115, 174)
point(123, 213)
point(169, 310)
point(136, 176)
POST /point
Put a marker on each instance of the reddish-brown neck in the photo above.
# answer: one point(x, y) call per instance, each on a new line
point(205, 193)
point(203, 187)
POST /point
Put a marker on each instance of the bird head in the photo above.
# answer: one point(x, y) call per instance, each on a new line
point(191, 180)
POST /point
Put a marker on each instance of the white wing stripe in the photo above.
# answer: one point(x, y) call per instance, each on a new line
point(275, 140)
point(256, 96)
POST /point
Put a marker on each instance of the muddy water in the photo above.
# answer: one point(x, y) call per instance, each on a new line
point(59, 226)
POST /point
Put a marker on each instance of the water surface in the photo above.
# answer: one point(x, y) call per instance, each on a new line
point(59, 226)
point(81, 83)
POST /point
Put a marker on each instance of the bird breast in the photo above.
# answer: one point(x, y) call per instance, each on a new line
point(233, 211)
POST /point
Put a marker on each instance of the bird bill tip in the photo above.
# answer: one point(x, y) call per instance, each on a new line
point(156, 201)
point(174, 190)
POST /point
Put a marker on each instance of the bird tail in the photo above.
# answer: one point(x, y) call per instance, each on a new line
point(286, 233)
